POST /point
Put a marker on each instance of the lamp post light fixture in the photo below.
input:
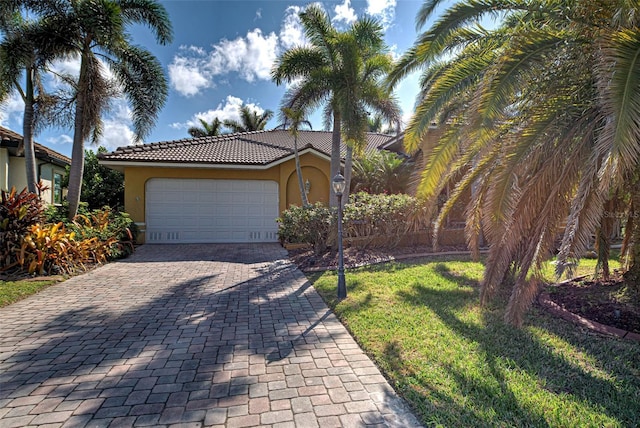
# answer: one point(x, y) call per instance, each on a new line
point(338, 188)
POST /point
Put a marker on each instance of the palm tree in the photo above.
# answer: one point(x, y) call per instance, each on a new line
point(96, 32)
point(24, 53)
point(542, 118)
point(296, 118)
point(250, 120)
point(329, 72)
point(206, 129)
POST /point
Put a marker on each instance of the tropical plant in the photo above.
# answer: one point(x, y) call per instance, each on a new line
point(294, 119)
point(206, 129)
point(96, 32)
point(340, 70)
point(542, 118)
point(18, 212)
point(381, 172)
point(249, 121)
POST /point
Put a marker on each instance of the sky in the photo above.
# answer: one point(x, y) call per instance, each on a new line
point(221, 57)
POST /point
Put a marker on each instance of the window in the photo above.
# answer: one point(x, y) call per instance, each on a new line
point(57, 188)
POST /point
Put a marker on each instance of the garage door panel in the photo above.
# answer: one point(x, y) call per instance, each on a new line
point(203, 210)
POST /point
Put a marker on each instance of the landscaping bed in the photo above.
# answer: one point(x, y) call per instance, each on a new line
point(610, 303)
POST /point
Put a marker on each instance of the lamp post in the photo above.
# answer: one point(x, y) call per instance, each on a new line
point(338, 188)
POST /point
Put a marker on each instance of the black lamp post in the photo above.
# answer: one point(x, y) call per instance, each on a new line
point(338, 187)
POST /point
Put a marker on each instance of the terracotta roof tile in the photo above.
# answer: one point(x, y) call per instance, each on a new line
point(249, 148)
point(8, 136)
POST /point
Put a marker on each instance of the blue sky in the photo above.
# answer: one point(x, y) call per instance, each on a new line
point(221, 57)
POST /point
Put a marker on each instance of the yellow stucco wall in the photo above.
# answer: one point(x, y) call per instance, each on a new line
point(317, 168)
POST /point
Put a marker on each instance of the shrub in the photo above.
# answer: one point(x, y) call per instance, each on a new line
point(369, 220)
point(18, 212)
point(381, 220)
point(115, 229)
point(40, 242)
point(310, 225)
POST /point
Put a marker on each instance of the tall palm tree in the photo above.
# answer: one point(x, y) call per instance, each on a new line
point(295, 119)
point(206, 129)
point(24, 53)
point(250, 120)
point(329, 72)
point(96, 32)
point(542, 117)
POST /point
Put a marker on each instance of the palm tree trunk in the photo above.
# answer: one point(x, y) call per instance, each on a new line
point(335, 156)
point(348, 169)
point(77, 152)
point(27, 134)
point(303, 194)
point(632, 276)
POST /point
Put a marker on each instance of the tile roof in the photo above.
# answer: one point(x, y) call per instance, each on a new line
point(11, 139)
point(259, 148)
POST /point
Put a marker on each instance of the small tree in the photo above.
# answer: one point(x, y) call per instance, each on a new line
point(295, 119)
point(100, 185)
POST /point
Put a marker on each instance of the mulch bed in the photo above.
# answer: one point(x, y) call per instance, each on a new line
point(607, 302)
point(306, 260)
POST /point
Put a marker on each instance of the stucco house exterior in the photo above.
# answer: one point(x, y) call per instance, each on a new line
point(50, 167)
point(228, 188)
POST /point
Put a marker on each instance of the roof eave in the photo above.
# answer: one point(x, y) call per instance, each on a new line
point(119, 165)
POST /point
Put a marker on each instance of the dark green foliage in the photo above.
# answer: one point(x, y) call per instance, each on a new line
point(381, 220)
point(101, 186)
point(381, 172)
point(369, 220)
point(18, 211)
point(311, 224)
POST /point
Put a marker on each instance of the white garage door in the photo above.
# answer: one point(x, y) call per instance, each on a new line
point(198, 210)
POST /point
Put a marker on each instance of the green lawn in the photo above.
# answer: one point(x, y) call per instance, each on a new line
point(12, 291)
point(459, 365)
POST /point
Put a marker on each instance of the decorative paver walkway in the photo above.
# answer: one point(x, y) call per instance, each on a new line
point(188, 335)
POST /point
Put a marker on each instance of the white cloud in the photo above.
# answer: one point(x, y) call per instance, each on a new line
point(345, 13)
point(252, 56)
point(187, 75)
point(116, 133)
point(69, 65)
point(61, 139)
point(116, 127)
point(11, 110)
point(384, 10)
point(291, 32)
point(230, 110)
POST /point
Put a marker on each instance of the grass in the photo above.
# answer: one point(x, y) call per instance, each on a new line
point(459, 365)
point(12, 291)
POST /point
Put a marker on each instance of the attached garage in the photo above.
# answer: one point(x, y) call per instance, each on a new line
point(183, 210)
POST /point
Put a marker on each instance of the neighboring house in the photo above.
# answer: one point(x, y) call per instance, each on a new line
point(227, 188)
point(452, 232)
point(50, 167)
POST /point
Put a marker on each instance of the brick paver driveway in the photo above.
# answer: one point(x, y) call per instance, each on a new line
point(188, 335)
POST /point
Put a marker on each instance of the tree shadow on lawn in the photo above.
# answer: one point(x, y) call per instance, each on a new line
point(185, 351)
point(616, 394)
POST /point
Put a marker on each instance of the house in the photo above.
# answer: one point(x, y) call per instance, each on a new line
point(452, 230)
point(50, 167)
point(228, 188)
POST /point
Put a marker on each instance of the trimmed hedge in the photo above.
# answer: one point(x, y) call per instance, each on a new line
point(369, 221)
